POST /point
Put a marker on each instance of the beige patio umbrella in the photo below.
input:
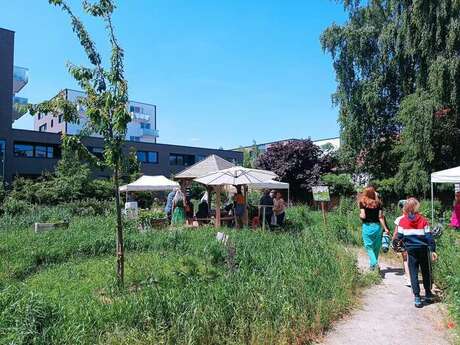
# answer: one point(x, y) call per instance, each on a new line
point(234, 176)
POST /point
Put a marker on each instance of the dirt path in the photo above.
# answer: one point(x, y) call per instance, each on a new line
point(387, 316)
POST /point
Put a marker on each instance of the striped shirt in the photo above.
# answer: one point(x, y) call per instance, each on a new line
point(415, 232)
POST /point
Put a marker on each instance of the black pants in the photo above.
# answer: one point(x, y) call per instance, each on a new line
point(268, 219)
point(418, 257)
point(280, 219)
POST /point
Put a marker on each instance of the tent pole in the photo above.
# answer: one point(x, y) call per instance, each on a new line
point(432, 204)
point(218, 218)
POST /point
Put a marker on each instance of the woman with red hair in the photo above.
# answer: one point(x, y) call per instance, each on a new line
point(371, 214)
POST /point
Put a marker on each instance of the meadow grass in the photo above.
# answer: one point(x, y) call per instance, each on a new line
point(182, 286)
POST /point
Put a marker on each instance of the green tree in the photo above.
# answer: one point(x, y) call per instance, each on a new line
point(390, 55)
point(250, 155)
point(105, 102)
point(72, 176)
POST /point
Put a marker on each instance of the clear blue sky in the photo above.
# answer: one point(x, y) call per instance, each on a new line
point(221, 72)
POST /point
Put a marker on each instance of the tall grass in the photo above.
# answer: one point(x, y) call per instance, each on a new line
point(447, 269)
point(183, 287)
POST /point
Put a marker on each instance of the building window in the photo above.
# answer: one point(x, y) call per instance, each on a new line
point(23, 150)
point(40, 116)
point(35, 150)
point(97, 151)
point(42, 128)
point(199, 158)
point(179, 159)
point(2, 148)
point(42, 151)
point(52, 123)
point(147, 157)
point(2, 156)
point(132, 138)
point(61, 118)
point(135, 109)
point(145, 125)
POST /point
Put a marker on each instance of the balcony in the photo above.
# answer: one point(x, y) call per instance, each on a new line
point(150, 132)
point(20, 78)
point(19, 107)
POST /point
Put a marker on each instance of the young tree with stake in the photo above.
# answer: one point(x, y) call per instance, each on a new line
point(105, 103)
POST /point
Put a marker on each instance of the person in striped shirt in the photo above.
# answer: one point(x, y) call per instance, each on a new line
point(414, 230)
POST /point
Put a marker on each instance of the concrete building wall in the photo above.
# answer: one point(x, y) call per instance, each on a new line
point(6, 80)
point(6, 97)
point(141, 128)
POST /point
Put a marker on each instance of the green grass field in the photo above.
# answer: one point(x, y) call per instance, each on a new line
point(182, 286)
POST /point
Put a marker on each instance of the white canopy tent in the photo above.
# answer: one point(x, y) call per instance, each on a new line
point(271, 185)
point(445, 176)
point(150, 184)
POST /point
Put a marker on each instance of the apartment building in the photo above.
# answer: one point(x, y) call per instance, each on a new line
point(30, 153)
point(142, 128)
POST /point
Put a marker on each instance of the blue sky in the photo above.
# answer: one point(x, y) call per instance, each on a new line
point(223, 73)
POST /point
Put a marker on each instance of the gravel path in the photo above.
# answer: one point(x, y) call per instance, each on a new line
point(387, 316)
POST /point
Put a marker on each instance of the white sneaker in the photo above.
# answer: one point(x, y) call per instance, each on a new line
point(408, 284)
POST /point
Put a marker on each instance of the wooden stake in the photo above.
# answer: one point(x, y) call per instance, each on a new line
point(323, 209)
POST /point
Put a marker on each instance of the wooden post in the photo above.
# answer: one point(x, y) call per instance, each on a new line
point(218, 221)
point(263, 218)
point(246, 211)
point(209, 191)
point(323, 209)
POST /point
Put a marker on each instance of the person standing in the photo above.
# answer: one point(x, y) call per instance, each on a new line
point(169, 203)
point(239, 207)
point(266, 208)
point(401, 204)
point(371, 214)
point(178, 214)
point(279, 208)
point(455, 219)
point(414, 231)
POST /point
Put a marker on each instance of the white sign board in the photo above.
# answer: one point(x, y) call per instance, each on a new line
point(321, 193)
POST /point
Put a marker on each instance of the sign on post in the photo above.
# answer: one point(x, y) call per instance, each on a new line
point(321, 194)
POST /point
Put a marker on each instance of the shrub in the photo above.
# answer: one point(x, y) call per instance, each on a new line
point(425, 208)
point(13, 207)
point(341, 184)
point(447, 269)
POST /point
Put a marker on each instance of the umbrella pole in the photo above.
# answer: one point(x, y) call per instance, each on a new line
point(432, 204)
point(218, 221)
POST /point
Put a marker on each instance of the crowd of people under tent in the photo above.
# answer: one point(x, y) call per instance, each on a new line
point(271, 209)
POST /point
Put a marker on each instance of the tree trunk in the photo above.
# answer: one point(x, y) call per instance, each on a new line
point(120, 244)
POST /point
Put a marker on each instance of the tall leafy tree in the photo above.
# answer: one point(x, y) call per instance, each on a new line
point(397, 66)
point(105, 102)
point(299, 162)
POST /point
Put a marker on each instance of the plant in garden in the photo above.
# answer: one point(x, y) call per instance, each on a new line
point(299, 162)
point(105, 102)
point(250, 155)
point(341, 184)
